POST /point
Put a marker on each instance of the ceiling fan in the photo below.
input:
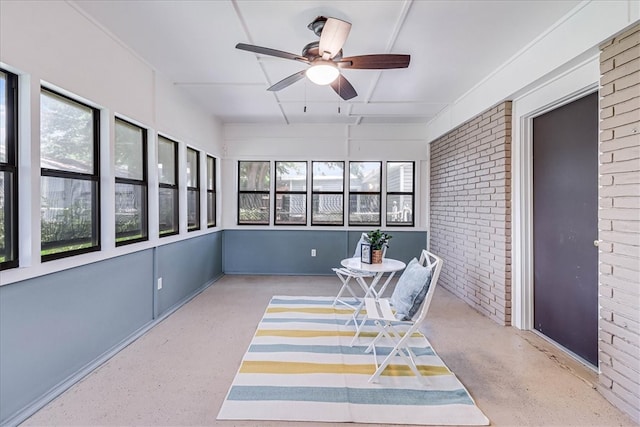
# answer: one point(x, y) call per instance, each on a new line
point(325, 59)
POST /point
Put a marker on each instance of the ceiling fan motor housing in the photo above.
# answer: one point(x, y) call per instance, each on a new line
point(317, 25)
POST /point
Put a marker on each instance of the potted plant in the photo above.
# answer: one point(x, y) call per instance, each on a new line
point(377, 239)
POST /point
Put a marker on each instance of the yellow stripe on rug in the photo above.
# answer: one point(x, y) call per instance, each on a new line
point(311, 310)
point(269, 367)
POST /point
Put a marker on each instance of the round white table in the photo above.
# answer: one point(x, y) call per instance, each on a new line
point(378, 270)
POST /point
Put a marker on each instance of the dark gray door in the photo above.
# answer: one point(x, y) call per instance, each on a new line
point(565, 225)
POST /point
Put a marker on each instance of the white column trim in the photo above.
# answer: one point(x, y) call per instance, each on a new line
point(553, 92)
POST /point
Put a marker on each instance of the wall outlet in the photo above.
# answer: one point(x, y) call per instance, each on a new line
point(313, 252)
point(159, 283)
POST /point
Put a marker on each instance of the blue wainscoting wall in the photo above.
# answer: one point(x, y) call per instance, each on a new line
point(289, 251)
point(56, 328)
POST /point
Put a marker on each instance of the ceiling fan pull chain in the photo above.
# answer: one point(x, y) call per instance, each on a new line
point(339, 97)
point(305, 96)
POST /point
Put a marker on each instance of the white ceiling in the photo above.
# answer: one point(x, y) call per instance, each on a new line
point(453, 46)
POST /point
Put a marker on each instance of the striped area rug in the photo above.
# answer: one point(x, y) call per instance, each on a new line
point(300, 367)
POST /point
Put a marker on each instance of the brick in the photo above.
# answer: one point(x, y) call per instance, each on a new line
point(621, 71)
point(628, 153)
point(618, 120)
point(617, 97)
point(620, 45)
point(620, 142)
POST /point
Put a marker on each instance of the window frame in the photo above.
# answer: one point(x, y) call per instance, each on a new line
point(144, 183)
point(93, 178)
point(194, 189)
point(263, 192)
point(211, 192)
point(366, 193)
point(305, 193)
point(411, 193)
point(174, 187)
point(314, 192)
point(10, 167)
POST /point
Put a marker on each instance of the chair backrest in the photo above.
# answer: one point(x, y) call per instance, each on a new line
point(435, 263)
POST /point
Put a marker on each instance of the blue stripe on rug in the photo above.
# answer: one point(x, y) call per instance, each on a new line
point(351, 395)
point(329, 349)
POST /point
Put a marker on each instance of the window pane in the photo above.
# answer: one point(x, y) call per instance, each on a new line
point(6, 219)
point(66, 135)
point(291, 176)
point(67, 214)
point(3, 118)
point(254, 176)
point(253, 208)
point(193, 209)
point(168, 202)
point(364, 209)
point(400, 209)
point(211, 209)
point(129, 153)
point(364, 176)
point(130, 212)
point(192, 168)
point(166, 161)
point(210, 173)
point(327, 209)
point(399, 177)
point(328, 176)
point(291, 209)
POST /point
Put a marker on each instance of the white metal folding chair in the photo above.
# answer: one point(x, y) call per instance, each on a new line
point(399, 333)
point(345, 275)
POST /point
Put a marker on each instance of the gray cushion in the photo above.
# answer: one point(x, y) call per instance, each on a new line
point(411, 290)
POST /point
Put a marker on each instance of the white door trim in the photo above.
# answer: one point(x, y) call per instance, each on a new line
point(554, 92)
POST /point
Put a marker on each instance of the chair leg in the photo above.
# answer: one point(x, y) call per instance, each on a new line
point(398, 350)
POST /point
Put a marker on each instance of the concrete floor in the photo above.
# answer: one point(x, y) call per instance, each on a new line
point(179, 372)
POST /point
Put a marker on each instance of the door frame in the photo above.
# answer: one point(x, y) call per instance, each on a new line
point(566, 86)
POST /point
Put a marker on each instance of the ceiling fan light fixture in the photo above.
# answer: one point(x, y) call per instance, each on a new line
point(322, 72)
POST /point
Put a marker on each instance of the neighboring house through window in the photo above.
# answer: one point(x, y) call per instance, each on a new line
point(291, 193)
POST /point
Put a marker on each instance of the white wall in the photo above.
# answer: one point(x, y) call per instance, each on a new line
point(51, 43)
point(323, 143)
point(574, 39)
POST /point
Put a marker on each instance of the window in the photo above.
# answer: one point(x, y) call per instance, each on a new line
point(168, 186)
point(364, 193)
point(327, 193)
point(211, 191)
point(69, 165)
point(291, 193)
point(193, 189)
point(400, 192)
point(8, 170)
point(254, 181)
point(131, 183)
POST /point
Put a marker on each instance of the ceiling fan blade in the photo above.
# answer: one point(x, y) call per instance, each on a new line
point(343, 88)
point(287, 81)
point(271, 52)
point(375, 62)
point(334, 34)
